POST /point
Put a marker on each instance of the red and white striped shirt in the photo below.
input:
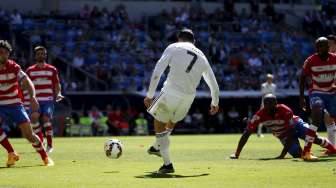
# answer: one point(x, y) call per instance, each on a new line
point(10, 75)
point(322, 73)
point(44, 79)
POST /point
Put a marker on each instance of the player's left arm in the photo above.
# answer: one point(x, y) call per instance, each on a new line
point(211, 81)
point(57, 87)
point(27, 84)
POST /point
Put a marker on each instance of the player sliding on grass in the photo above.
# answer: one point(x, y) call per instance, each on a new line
point(287, 127)
point(187, 66)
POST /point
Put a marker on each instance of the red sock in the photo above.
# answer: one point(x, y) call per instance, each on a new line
point(37, 128)
point(326, 144)
point(49, 133)
point(39, 147)
point(4, 142)
point(309, 139)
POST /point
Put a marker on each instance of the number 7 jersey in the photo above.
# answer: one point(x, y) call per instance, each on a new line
point(187, 66)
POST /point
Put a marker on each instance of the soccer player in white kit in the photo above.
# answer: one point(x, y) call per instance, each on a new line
point(187, 65)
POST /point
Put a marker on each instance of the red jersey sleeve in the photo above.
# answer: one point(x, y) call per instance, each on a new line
point(253, 124)
point(55, 78)
point(307, 66)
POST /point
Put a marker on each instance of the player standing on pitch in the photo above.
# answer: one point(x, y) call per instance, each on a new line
point(321, 69)
point(187, 66)
point(48, 89)
point(11, 78)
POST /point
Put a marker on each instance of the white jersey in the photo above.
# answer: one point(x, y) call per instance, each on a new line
point(187, 66)
point(267, 88)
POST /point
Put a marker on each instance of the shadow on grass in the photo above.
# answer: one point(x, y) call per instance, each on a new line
point(158, 175)
point(111, 172)
point(320, 159)
point(27, 166)
point(269, 159)
point(317, 161)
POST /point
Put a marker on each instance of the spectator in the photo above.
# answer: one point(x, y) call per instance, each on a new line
point(141, 125)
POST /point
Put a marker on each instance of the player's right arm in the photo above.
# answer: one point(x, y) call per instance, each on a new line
point(210, 80)
point(27, 84)
point(251, 127)
point(160, 66)
point(243, 139)
point(302, 82)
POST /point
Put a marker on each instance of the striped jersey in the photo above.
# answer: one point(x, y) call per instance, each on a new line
point(44, 79)
point(322, 73)
point(10, 76)
point(280, 124)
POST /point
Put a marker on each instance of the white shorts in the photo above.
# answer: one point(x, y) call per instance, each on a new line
point(170, 106)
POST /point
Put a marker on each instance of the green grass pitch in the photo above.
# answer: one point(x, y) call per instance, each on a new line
point(200, 162)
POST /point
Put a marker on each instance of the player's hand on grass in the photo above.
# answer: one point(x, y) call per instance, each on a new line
point(234, 156)
point(280, 157)
point(213, 110)
point(148, 101)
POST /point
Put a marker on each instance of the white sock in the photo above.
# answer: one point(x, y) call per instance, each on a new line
point(163, 140)
point(331, 129)
point(156, 144)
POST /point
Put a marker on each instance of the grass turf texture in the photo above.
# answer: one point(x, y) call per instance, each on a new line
point(199, 161)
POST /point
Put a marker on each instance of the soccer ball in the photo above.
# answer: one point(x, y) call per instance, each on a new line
point(113, 148)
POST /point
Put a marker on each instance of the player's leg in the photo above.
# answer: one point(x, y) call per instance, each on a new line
point(180, 107)
point(157, 110)
point(20, 117)
point(308, 133)
point(154, 149)
point(162, 138)
point(28, 133)
point(12, 156)
point(329, 117)
point(35, 123)
point(47, 110)
point(323, 142)
point(295, 150)
point(317, 106)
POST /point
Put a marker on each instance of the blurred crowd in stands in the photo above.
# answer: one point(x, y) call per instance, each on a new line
point(242, 47)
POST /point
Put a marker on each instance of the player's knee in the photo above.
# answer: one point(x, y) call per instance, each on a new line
point(328, 119)
point(316, 112)
point(296, 155)
point(35, 116)
point(29, 136)
point(45, 119)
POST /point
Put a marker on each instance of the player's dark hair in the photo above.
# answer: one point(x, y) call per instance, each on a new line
point(37, 48)
point(321, 40)
point(270, 97)
point(186, 35)
point(331, 37)
point(5, 44)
